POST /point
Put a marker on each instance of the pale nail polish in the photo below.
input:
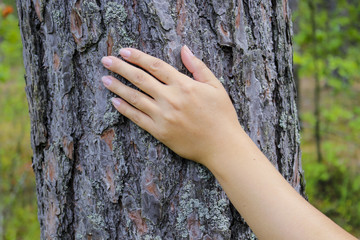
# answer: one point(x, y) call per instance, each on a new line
point(106, 80)
point(116, 102)
point(125, 53)
point(106, 61)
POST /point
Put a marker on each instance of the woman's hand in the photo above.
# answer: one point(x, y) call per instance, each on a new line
point(195, 118)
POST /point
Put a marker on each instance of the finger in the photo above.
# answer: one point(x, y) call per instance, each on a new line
point(137, 99)
point(158, 68)
point(199, 70)
point(135, 115)
point(134, 75)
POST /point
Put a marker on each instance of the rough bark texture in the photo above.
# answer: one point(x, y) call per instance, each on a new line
point(101, 177)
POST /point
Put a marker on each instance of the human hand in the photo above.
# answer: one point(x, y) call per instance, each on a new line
point(194, 118)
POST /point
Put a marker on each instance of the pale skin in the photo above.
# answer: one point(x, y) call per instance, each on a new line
point(179, 111)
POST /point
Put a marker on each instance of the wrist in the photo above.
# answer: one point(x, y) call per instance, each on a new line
point(235, 150)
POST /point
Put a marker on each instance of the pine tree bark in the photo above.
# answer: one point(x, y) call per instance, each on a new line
point(98, 175)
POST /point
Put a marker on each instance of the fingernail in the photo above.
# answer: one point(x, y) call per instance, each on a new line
point(106, 61)
point(116, 101)
point(125, 53)
point(188, 51)
point(106, 80)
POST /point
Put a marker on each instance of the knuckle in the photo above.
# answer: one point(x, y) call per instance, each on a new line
point(202, 66)
point(162, 135)
point(156, 64)
point(134, 98)
point(175, 104)
point(136, 118)
point(169, 118)
point(188, 88)
point(135, 55)
point(138, 79)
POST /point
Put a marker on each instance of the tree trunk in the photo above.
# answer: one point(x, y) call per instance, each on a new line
point(98, 175)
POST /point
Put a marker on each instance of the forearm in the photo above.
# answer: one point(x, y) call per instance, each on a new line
point(271, 207)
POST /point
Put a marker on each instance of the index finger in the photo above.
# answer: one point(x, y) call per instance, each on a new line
point(156, 67)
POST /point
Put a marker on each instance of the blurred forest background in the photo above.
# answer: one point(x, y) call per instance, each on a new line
point(327, 69)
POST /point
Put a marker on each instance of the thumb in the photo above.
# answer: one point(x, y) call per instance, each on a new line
point(199, 70)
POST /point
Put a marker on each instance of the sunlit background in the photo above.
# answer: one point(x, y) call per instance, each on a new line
point(327, 67)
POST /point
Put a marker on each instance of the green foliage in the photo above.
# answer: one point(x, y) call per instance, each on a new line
point(337, 37)
point(333, 185)
point(10, 46)
point(18, 211)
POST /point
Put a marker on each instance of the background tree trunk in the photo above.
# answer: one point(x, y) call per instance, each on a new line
point(101, 177)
